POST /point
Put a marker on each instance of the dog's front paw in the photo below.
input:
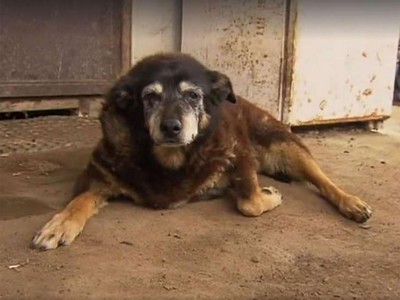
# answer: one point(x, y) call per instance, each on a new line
point(263, 201)
point(61, 230)
point(354, 208)
point(272, 197)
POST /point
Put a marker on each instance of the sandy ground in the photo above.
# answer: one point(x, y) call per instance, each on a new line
point(302, 250)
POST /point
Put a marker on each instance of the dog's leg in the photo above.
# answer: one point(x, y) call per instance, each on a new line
point(65, 226)
point(293, 159)
point(251, 199)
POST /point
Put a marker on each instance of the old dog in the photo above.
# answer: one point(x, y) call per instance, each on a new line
point(174, 132)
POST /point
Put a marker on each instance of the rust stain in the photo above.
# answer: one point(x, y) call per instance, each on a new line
point(323, 104)
point(373, 78)
point(379, 59)
point(367, 92)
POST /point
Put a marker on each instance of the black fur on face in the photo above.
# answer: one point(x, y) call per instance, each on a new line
point(172, 97)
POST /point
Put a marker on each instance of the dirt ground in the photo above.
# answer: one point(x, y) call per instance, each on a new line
point(302, 250)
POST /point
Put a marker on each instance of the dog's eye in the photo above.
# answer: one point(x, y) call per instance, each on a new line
point(152, 97)
point(193, 95)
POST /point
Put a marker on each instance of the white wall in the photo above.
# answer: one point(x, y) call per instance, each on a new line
point(242, 38)
point(156, 26)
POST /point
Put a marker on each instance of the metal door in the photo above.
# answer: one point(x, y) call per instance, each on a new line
point(59, 47)
point(244, 39)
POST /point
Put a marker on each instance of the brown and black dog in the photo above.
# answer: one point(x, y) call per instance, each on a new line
point(175, 132)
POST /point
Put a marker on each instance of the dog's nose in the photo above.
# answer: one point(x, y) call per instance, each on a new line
point(171, 128)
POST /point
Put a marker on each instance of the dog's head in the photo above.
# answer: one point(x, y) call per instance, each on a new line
point(173, 96)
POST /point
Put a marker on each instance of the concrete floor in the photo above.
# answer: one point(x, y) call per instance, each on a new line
point(302, 250)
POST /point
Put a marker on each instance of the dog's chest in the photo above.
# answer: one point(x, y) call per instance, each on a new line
point(202, 177)
point(202, 181)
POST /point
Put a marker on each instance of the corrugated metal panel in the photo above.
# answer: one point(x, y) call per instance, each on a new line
point(344, 61)
point(156, 27)
point(243, 39)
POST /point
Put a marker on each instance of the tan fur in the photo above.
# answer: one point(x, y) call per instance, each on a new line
point(270, 160)
point(284, 156)
point(154, 127)
point(170, 157)
point(216, 183)
point(190, 126)
point(351, 206)
point(185, 86)
point(65, 226)
point(204, 121)
point(260, 202)
point(155, 87)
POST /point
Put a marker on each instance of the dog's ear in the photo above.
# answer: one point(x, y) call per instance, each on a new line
point(221, 86)
point(122, 93)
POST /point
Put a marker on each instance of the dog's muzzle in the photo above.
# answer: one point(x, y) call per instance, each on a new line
point(171, 128)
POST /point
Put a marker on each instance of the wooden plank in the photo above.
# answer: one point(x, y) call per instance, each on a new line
point(17, 105)
point(52, 88)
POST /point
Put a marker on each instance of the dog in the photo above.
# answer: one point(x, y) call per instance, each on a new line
point(175, 132)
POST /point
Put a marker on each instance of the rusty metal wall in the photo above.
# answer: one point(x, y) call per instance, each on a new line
point(156, 27)
point(344, 61)
point(244, 39)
